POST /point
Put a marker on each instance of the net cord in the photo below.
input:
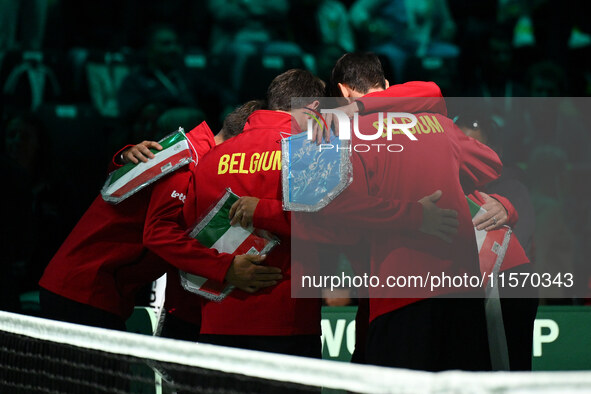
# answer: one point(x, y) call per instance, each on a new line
point(321, 373)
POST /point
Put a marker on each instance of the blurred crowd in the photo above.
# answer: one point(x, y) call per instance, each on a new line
point(80, 79)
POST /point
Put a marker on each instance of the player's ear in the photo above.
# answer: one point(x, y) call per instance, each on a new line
point(314, 104)
point(345, 90)
point(387, 83)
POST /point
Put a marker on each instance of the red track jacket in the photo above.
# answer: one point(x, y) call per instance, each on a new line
point(103, 262)
point(515, 255)
point(405, 100)
point(438, 160)
point(250, 164)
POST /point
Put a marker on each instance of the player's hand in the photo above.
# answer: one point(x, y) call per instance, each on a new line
point(441, 223)
point(495, 216)
point(242, 211)
point(322, 131)
point(247, 274)
point(350, 109)
point(140, 152)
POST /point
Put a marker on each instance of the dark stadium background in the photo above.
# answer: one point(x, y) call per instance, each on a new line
point(60, 129)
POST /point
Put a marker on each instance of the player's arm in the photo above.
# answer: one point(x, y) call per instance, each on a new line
point(510, 210)
point(164, 231)
point(355, 212)
point(435, 221)
point(413, 97)
point(165, 235)
point(135, 153)
point(499, 211)
point(355, 205)
point(479, 164)
point(264, 213)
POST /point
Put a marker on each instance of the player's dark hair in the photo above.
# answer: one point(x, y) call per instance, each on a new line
point(360, 71)
point(300, 85)
point(487, 125)
point(235, 120)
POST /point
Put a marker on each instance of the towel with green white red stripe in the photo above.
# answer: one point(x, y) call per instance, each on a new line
point(214, 231)
point(492, 246)
point(132, 178)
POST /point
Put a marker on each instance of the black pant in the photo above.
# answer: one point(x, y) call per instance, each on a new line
point(433, 335)
point(295, 345)
point(176, 328)
point(518, 318)
point(519, 306)
point(60, 308)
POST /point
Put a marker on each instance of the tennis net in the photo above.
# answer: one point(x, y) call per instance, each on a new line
point(44, 356)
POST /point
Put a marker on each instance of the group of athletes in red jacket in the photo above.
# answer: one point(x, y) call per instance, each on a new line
point(413, 203)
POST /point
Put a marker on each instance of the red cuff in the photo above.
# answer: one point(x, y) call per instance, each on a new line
point(269, 215)
point(114, 164)
point(220, 267)
point(512, 215)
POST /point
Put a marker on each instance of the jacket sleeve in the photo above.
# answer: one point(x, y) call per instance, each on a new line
point(512, 215)
point(355, 211)
point(367, 212)
point(269, 215)
point(413, 97)
point(165, 235)
point(478, 163)
point(114, 165)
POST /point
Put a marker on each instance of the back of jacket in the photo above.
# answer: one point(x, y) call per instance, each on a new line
point(250, 165)
point(408, 171)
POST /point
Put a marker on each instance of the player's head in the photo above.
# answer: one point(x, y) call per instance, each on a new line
point(356, 74)
point(235, 120)
point(301, 85)
point(296, 91)
point(482, 127)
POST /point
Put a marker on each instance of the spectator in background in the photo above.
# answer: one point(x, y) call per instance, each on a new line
point(159, 82)
point(553, 23)
point(475, 23)
point(495, 75)
point(327, 35)
point(22, 24)
point(162, 84)
point(244, 29)
point(546, 79)
point(15, 207)
point(336, 35)
point(401, 29)
point(335, 25)
point(240, 22)
point(33, 223)
point(552, 114)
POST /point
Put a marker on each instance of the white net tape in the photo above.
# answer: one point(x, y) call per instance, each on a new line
point(327, 374)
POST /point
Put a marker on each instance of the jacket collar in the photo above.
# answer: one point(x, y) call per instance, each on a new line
point(264, 118)
point(415, 97)
point(201, 139)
